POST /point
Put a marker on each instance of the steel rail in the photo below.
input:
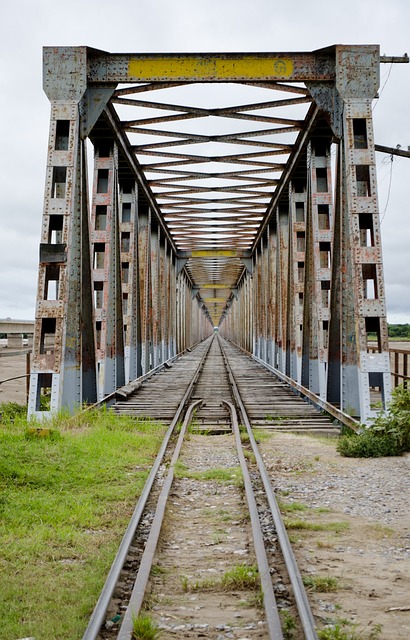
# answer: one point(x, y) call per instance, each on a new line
point(269, 600)
point(340, 416)
point(140, 585)
point(98, 615)
point(301, 599)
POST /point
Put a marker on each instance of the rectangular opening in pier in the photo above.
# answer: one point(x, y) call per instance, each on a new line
point(58, 186)
point(43, 400)
point(363, 181)
point(100, 217)
point(62, 135)
point(48, 334)
point(359, 133)
point(102, 180)
point(52, 282)
point(55, 229)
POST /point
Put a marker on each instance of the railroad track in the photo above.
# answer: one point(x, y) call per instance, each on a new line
point(208, 509)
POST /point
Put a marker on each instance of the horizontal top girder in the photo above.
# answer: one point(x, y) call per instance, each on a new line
point(93, 66)
point(223, 67)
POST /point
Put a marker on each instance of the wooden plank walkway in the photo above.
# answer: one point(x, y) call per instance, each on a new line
point(270, 403)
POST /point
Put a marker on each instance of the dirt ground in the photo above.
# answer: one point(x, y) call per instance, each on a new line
point(369, 555)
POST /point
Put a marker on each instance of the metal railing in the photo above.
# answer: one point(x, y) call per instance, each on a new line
point(399, 364)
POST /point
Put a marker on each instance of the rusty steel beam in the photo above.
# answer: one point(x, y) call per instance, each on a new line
point(105, 67)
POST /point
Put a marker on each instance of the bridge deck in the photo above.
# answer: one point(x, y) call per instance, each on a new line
point(270, 403)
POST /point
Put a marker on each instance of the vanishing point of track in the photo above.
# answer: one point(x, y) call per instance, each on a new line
point(206, 390)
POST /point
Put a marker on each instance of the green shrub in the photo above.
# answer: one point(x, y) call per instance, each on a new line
point(10, 411)
point(387, 435)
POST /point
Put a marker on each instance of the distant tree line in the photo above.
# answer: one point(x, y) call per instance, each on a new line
point(399, 330)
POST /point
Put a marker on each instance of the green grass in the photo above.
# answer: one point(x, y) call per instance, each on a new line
point(304, 525)
point(262, 435)
point(229, 475)
point(287, 507)
point(144, 628)
point(241, 577)
point(339, 631)
point(321, 584)
point(65, 501)
point(288, 624)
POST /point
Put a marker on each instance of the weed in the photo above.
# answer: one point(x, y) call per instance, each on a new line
point(288, 625)
point(157, 570)
point(241, 577)
point(287, 507)
point(224, 515)
point(337, 527)
point(254, 600)
point(337, 632)
point(180, 470)
point(262, 435)
point(207, 584)
point(250, 456)
point(185, 583)
point(144, 628)
point(276, 419)
point(229, 475)
point(321, 584)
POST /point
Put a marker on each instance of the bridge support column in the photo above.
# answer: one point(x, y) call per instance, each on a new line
point(319, 243)
point(155, 250)
point(144, 260)
point(296, 278)
point(130, 279)
point(271, 306)
point(282, 285)
point(357, 228)
point(256, 292)
point(263, 297)
point(63, 359)
point(108, 295)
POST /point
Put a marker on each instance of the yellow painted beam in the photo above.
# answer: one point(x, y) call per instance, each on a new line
point(214, 253)
point(215, 286)
point(217, 68)
point(215, 300)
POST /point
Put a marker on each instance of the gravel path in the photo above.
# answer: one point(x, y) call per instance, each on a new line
point(370, 555)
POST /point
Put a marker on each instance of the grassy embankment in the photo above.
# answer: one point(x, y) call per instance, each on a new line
point(65, 500)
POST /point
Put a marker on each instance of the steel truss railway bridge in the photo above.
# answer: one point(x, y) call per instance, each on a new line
point(236, 191)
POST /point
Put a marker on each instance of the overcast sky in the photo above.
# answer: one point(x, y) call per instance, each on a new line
point(185, 26)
